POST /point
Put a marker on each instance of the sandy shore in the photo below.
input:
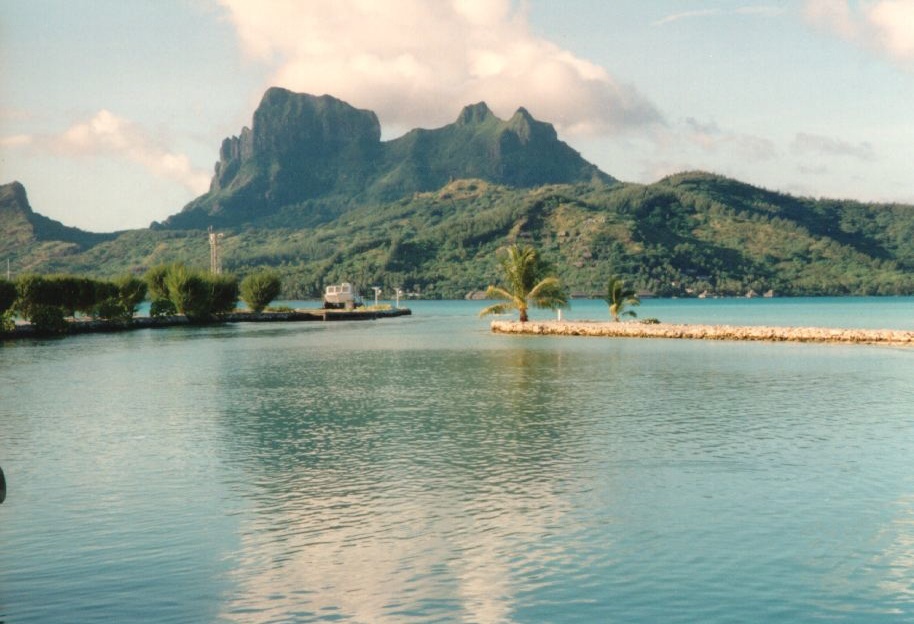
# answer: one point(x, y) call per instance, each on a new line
point(893, 337)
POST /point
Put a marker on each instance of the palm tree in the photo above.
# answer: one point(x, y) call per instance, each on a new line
point(525, 284)
point(618, 297)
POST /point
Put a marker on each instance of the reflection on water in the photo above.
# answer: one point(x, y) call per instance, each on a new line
point(424, 470)
point(416, 497)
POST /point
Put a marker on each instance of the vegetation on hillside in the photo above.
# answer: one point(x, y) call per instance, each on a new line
point(685, 235)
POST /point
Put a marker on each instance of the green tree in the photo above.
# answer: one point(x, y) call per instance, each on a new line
point(8, 295)
point(120, 298)
point(618, 297)
point(224, 293)
point(526, 283)
point(260, 288)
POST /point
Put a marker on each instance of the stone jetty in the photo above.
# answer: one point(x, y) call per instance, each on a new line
point(893, 337)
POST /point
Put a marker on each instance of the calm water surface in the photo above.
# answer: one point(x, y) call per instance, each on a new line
point(424, 470)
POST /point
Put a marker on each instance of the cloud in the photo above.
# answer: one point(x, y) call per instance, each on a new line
point(106, 134)
point(757, 10)
point(711, 138)
point(416, 63)
point(805, 144)
point(884, 26)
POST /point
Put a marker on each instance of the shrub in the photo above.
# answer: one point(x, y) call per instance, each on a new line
point(260, 288)
point(189, 291)
point(199, 295)
point(155, 282)
point(162, 307)
point(48, 319)
point(34, 291)
point(8, 295)
point(224, 289)
point(118, 299)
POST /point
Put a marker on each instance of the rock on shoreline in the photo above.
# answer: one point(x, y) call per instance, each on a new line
point(893, 337)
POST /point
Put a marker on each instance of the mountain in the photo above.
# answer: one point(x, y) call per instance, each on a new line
point(684, 235)
point(301, 148)
point(312, 190)
point(26, 233)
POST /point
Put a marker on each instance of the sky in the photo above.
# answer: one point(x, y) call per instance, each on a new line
point(112, 112)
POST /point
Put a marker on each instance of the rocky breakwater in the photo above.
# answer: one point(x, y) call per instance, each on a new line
point(894, 337)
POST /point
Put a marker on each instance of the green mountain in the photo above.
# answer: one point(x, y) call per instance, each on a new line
point(302, 148)
point(313, 191)
point(682, 236)
point(32, 240)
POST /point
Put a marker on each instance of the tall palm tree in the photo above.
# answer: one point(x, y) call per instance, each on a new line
point(525, 284)
point(619, 297)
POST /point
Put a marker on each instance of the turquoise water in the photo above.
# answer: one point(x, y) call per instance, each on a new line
point(422, 469)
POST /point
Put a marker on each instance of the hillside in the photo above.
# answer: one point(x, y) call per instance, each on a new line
point(311, 189)
point(684, 235)
point(32, 241)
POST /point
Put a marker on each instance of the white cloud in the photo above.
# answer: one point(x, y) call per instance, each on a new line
point(754, 10)
point(109, 135)
point(814, 144)
point(416, 63)
point(711, 138)
point(885, 26)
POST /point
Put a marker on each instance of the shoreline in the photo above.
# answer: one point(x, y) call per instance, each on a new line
point(90, 326)
point(610, 329)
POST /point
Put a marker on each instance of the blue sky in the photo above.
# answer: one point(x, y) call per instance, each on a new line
point(112, 111)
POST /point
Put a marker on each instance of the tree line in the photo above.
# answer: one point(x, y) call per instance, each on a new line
point(46, 301)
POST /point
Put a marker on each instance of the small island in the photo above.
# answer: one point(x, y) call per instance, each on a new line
point(611, 329)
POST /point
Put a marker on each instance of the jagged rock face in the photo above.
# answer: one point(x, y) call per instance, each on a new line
point(303, 147)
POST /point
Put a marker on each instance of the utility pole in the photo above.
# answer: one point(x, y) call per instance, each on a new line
point(215, 262)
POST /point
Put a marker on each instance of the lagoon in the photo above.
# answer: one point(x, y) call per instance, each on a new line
point(423, 469)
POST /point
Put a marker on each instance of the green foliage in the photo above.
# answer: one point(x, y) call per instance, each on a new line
point(260, 288)
point(196, 294)
point(155, 282)
point(48, 319)
point(8, 295)
point(119, 299)
point(223, 293)
point(7, 322)
point(162, 307)
point(682, 236)
point(618, 297)
point(35, 292)
point(526, 282)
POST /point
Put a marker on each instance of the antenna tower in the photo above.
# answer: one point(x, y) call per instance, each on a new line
point(215, 262)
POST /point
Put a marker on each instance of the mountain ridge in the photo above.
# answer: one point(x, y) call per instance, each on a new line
point(302, 147)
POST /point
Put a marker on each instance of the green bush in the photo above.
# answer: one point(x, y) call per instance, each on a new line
point(155, 281)
point(162, 307)
point(8, 295)
point(119, 299)
point(34, 292)
point(197, 295)
point(224, 289)
point(48, 319)
point(260, 288)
